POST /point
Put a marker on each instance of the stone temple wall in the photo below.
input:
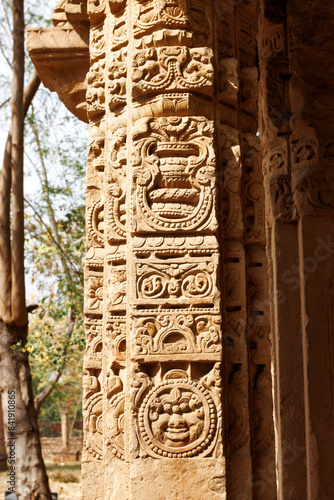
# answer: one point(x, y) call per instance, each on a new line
point(201, 356)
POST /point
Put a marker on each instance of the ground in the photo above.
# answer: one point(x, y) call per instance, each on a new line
point(64, 480)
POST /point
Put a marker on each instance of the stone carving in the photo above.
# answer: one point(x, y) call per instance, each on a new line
point(273, 44)
point(116, 188)
point(116, 83)
point(193, 281)
point(178, 419)
point(116, 337)
point(180, 333)
point(169, 68)
point(179, 14)
point(94, 426)
point(116, 288)
point(95, 96)
point(174, 168)
point(95, 218)
point(115, 433)
point(172, 84)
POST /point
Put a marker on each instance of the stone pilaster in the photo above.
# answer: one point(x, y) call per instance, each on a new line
point(296, 110)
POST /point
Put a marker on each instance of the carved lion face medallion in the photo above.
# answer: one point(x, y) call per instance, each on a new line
point(177, 419)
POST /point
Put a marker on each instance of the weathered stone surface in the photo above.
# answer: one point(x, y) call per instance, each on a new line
point(209, 248)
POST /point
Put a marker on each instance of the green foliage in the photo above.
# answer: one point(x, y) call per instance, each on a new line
point(55, 160)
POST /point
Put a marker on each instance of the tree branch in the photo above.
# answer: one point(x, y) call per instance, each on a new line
point(39, 400)
point(5, 194)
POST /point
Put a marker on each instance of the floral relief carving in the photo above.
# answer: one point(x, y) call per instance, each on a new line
point(171, 68)
point(94, 297)
point(116, 187)
point(179, 14)
point(182, 334)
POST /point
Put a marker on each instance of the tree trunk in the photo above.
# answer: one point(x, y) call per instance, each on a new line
point(22, 434)
point(19, 311)
point(28, 475)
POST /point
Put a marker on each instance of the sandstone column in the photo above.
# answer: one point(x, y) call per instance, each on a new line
point(154, 412)
point(177, 388)
point(296, 118)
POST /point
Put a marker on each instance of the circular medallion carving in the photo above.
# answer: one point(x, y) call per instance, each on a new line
point(178, 419)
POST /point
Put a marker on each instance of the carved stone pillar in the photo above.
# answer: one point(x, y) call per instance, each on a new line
point(155, 414)
point(177, 388)
point(296, 128)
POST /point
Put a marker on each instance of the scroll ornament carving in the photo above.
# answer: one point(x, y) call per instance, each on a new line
point(91, 383)
point(317, 190)
point(114, 432)
point(95, 223)
point(116, 187)
point(193, 280)
point(282, 199)
point(94, 426)
point(173, 14)
point(273, 44)
point(174, 174)
point(178, 334)
point(169, 68)
point(97, 47)
point(178, 419)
